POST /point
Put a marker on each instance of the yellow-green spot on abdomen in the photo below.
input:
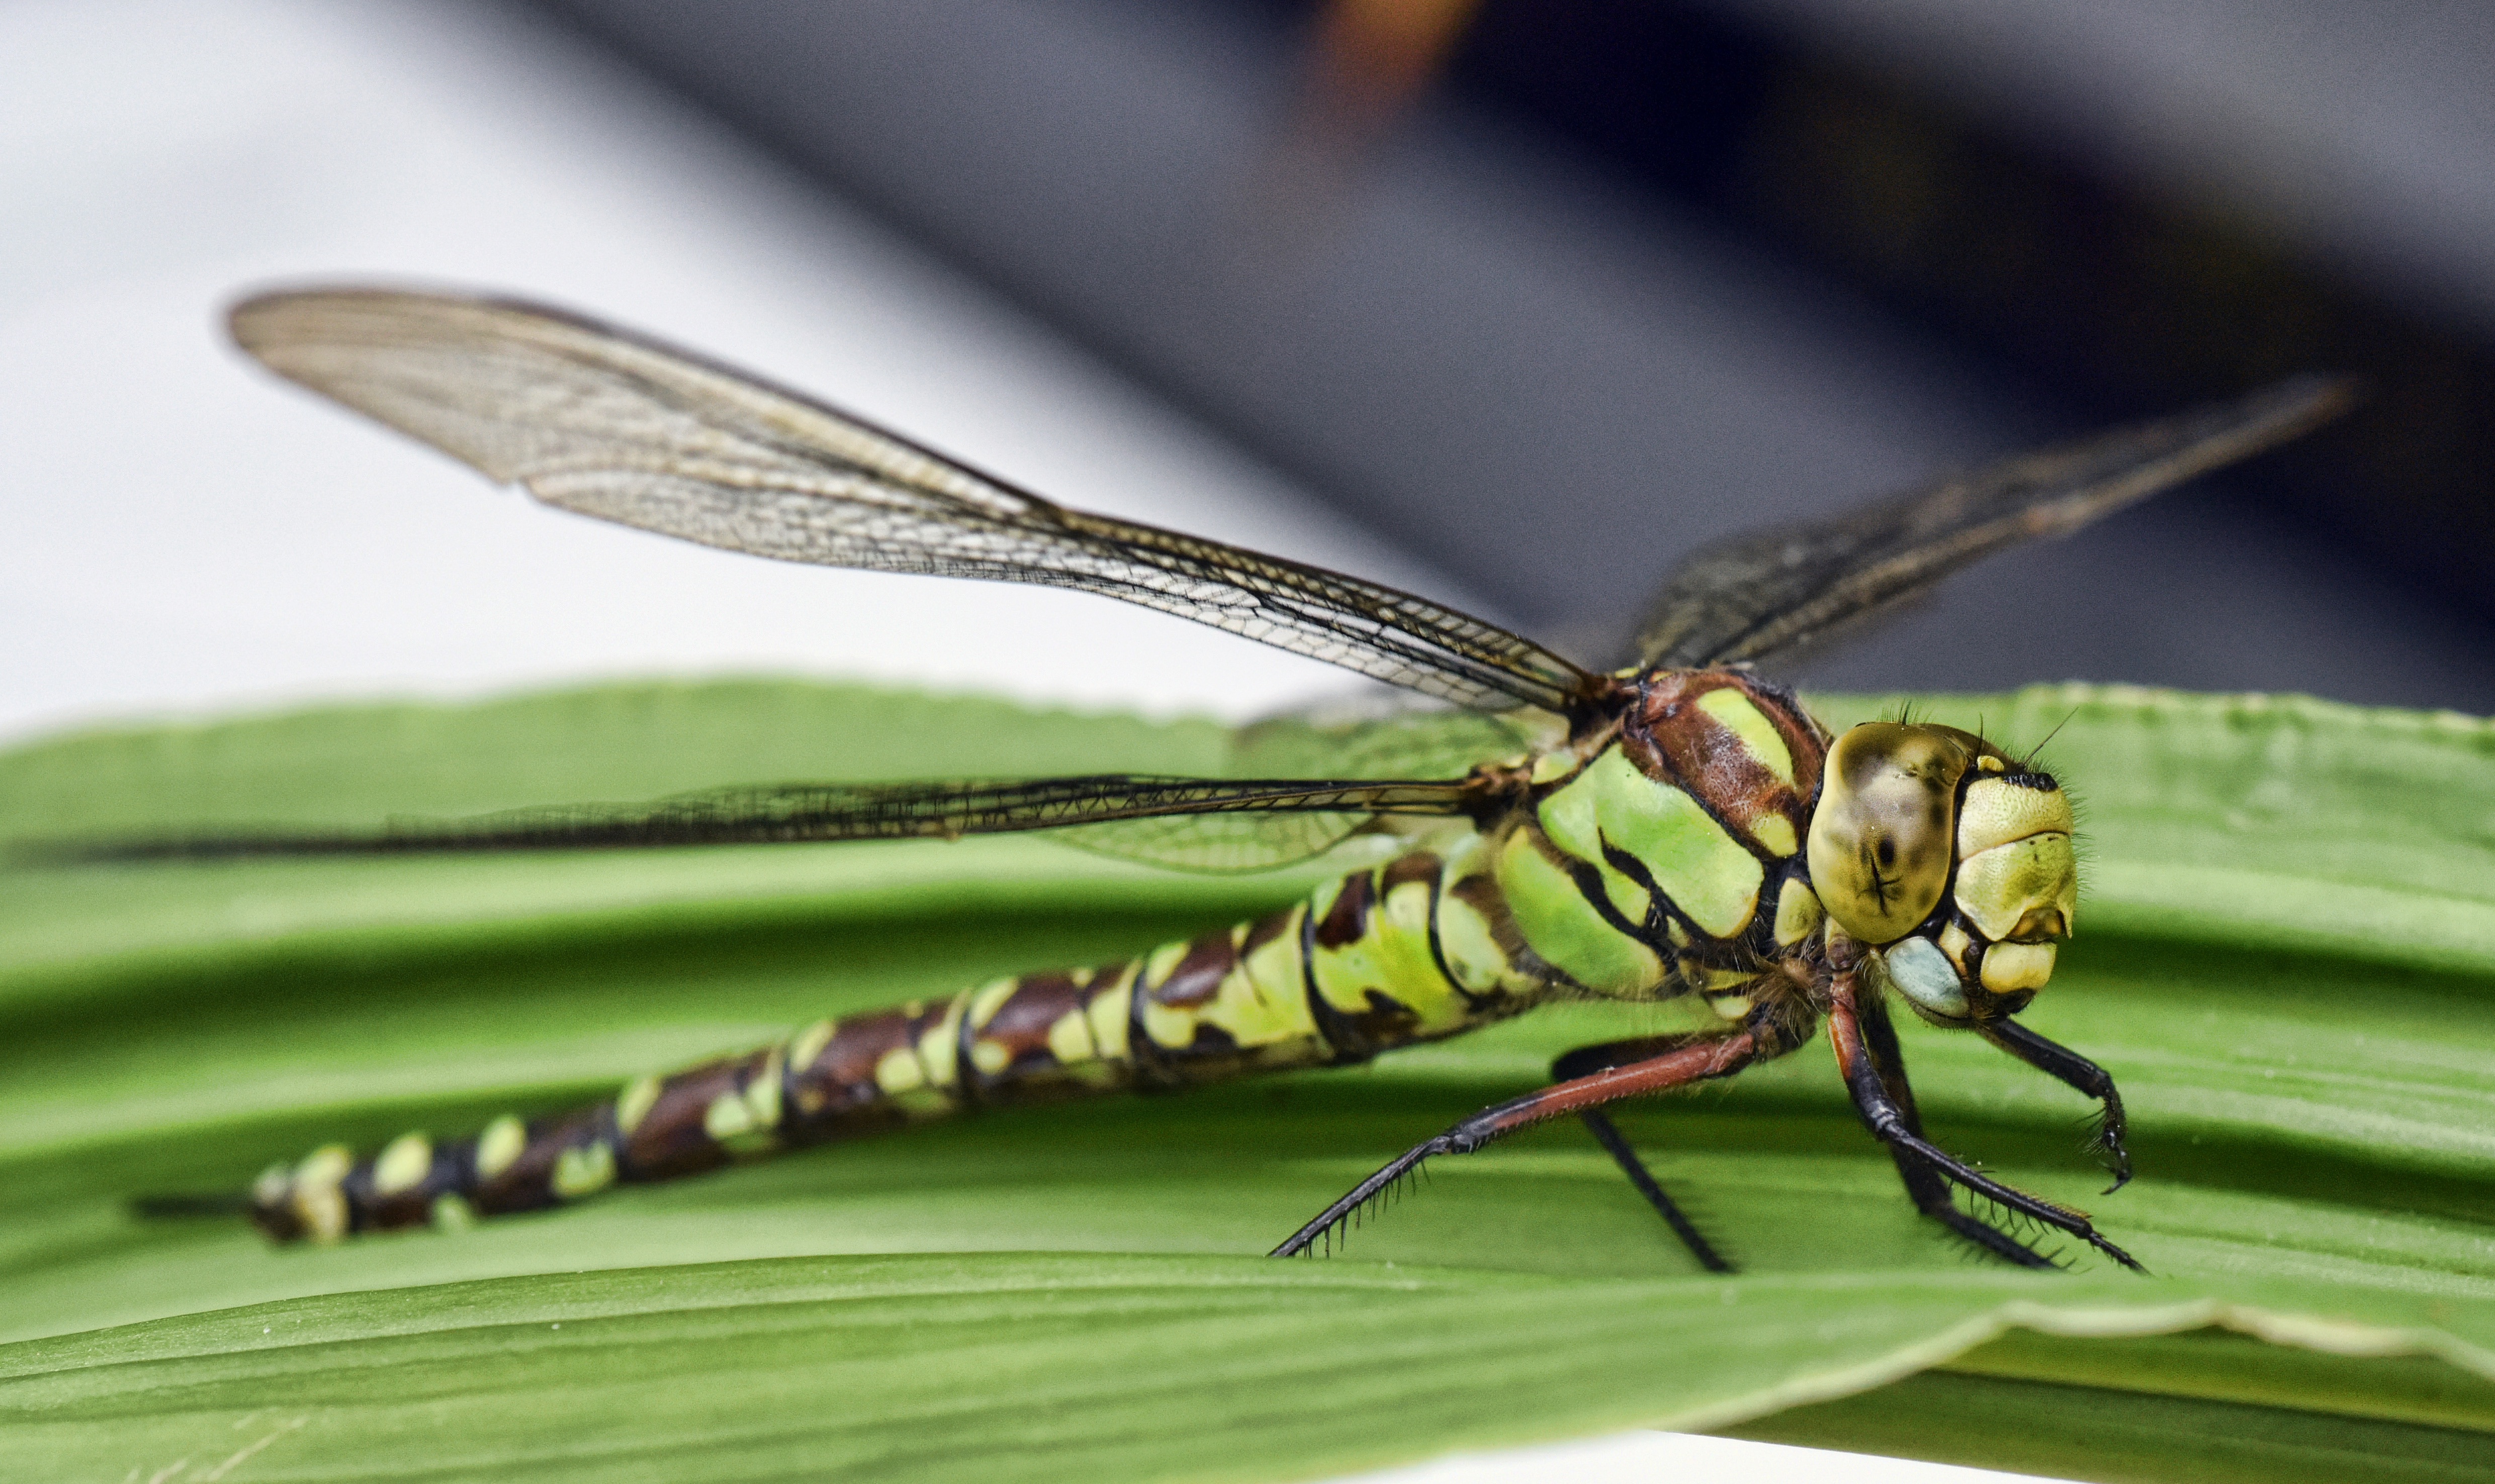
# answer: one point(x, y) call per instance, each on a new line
point(583, 1169)
point(1472, 951)
point(762, 1092)
point(989, 998)
point(898, 1072)
point(990, 1057)
point(734, 1120)
point(1069, 1040)
point(1107, 1012)
point(1400, 925)
point(326, 1166)
point(1390, 955)
point(640, 1096)
point(315, 1195)
point(403, 1166)
point(1173, 1029)
point(1466, 938)
point(811, 1094)
point(937, 1062)
point(451, 1212)
point(499, 1146)
point(1275, 964)
point(1261, 1004)
point(810, 1042)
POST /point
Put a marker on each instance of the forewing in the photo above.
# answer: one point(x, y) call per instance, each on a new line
point(1219, 844)
point(605, 423)
point(1417, 741)
point(1759, 596)
point(1405, 738)
point(792, 812)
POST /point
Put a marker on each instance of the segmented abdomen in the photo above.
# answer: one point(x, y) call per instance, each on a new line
point(1419, 948)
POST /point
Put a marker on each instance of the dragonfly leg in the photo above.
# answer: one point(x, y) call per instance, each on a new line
point(1614, 1143)
point(1864, 1040)
point(1926, 1185)
point(1675, 1068)
point(2070, 1067)
point(1586, 1060)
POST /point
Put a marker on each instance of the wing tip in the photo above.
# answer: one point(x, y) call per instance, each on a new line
point(266, 323)
point(267, 318)
point(2311, 398)
point(280, 312)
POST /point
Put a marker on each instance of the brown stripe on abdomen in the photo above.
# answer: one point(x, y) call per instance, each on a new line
point(1223, 1005)
point(1030, 1040)
point(835, 1089)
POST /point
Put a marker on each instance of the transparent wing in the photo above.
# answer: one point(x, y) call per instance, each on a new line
point(1411, 740)
point(601, 422)
point(1408, 742)
point(790, 812)
point(1257, 818)
point(1759, 596)
point(1219, 844)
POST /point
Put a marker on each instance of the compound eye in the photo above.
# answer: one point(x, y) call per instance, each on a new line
point(1881, 839)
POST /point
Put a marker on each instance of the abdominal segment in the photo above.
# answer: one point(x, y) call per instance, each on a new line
point(1414, 950)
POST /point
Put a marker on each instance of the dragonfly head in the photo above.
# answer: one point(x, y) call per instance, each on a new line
point(1948, 858)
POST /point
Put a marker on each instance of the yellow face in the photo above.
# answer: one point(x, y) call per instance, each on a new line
point(1911, 813)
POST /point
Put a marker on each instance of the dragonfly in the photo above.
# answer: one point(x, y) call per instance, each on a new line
point(1679, 827)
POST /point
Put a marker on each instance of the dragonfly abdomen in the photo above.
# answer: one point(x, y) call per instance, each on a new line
point(1419, 948)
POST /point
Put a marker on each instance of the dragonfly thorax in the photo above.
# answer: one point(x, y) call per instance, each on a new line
point(1664, 855)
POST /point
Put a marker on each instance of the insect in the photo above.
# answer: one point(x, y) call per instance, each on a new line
point(1677, 828)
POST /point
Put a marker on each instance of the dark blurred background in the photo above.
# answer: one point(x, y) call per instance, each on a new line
point(1552, 290)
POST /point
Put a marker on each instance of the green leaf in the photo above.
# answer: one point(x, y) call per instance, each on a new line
point(2287, 954)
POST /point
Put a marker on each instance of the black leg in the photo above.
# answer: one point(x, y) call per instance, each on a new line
point(1862, 1039)
point(1585, 1061)
point(2078, 1071)
point(1610, 1137)
point(1679, 1067)
point(1925, 1185)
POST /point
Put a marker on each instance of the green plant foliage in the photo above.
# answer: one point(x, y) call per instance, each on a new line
point(2285, 953)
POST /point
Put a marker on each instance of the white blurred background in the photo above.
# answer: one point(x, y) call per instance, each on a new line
point(186, 533)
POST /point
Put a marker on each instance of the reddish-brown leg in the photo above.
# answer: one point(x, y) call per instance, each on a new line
point(1677, 1068)
point(1586, 1060)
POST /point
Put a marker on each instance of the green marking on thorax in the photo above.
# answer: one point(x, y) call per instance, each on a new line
point(1564, 928)
point(1704, 871)
point(1743, 716)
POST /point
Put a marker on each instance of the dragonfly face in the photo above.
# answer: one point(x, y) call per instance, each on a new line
point(1950, 860)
